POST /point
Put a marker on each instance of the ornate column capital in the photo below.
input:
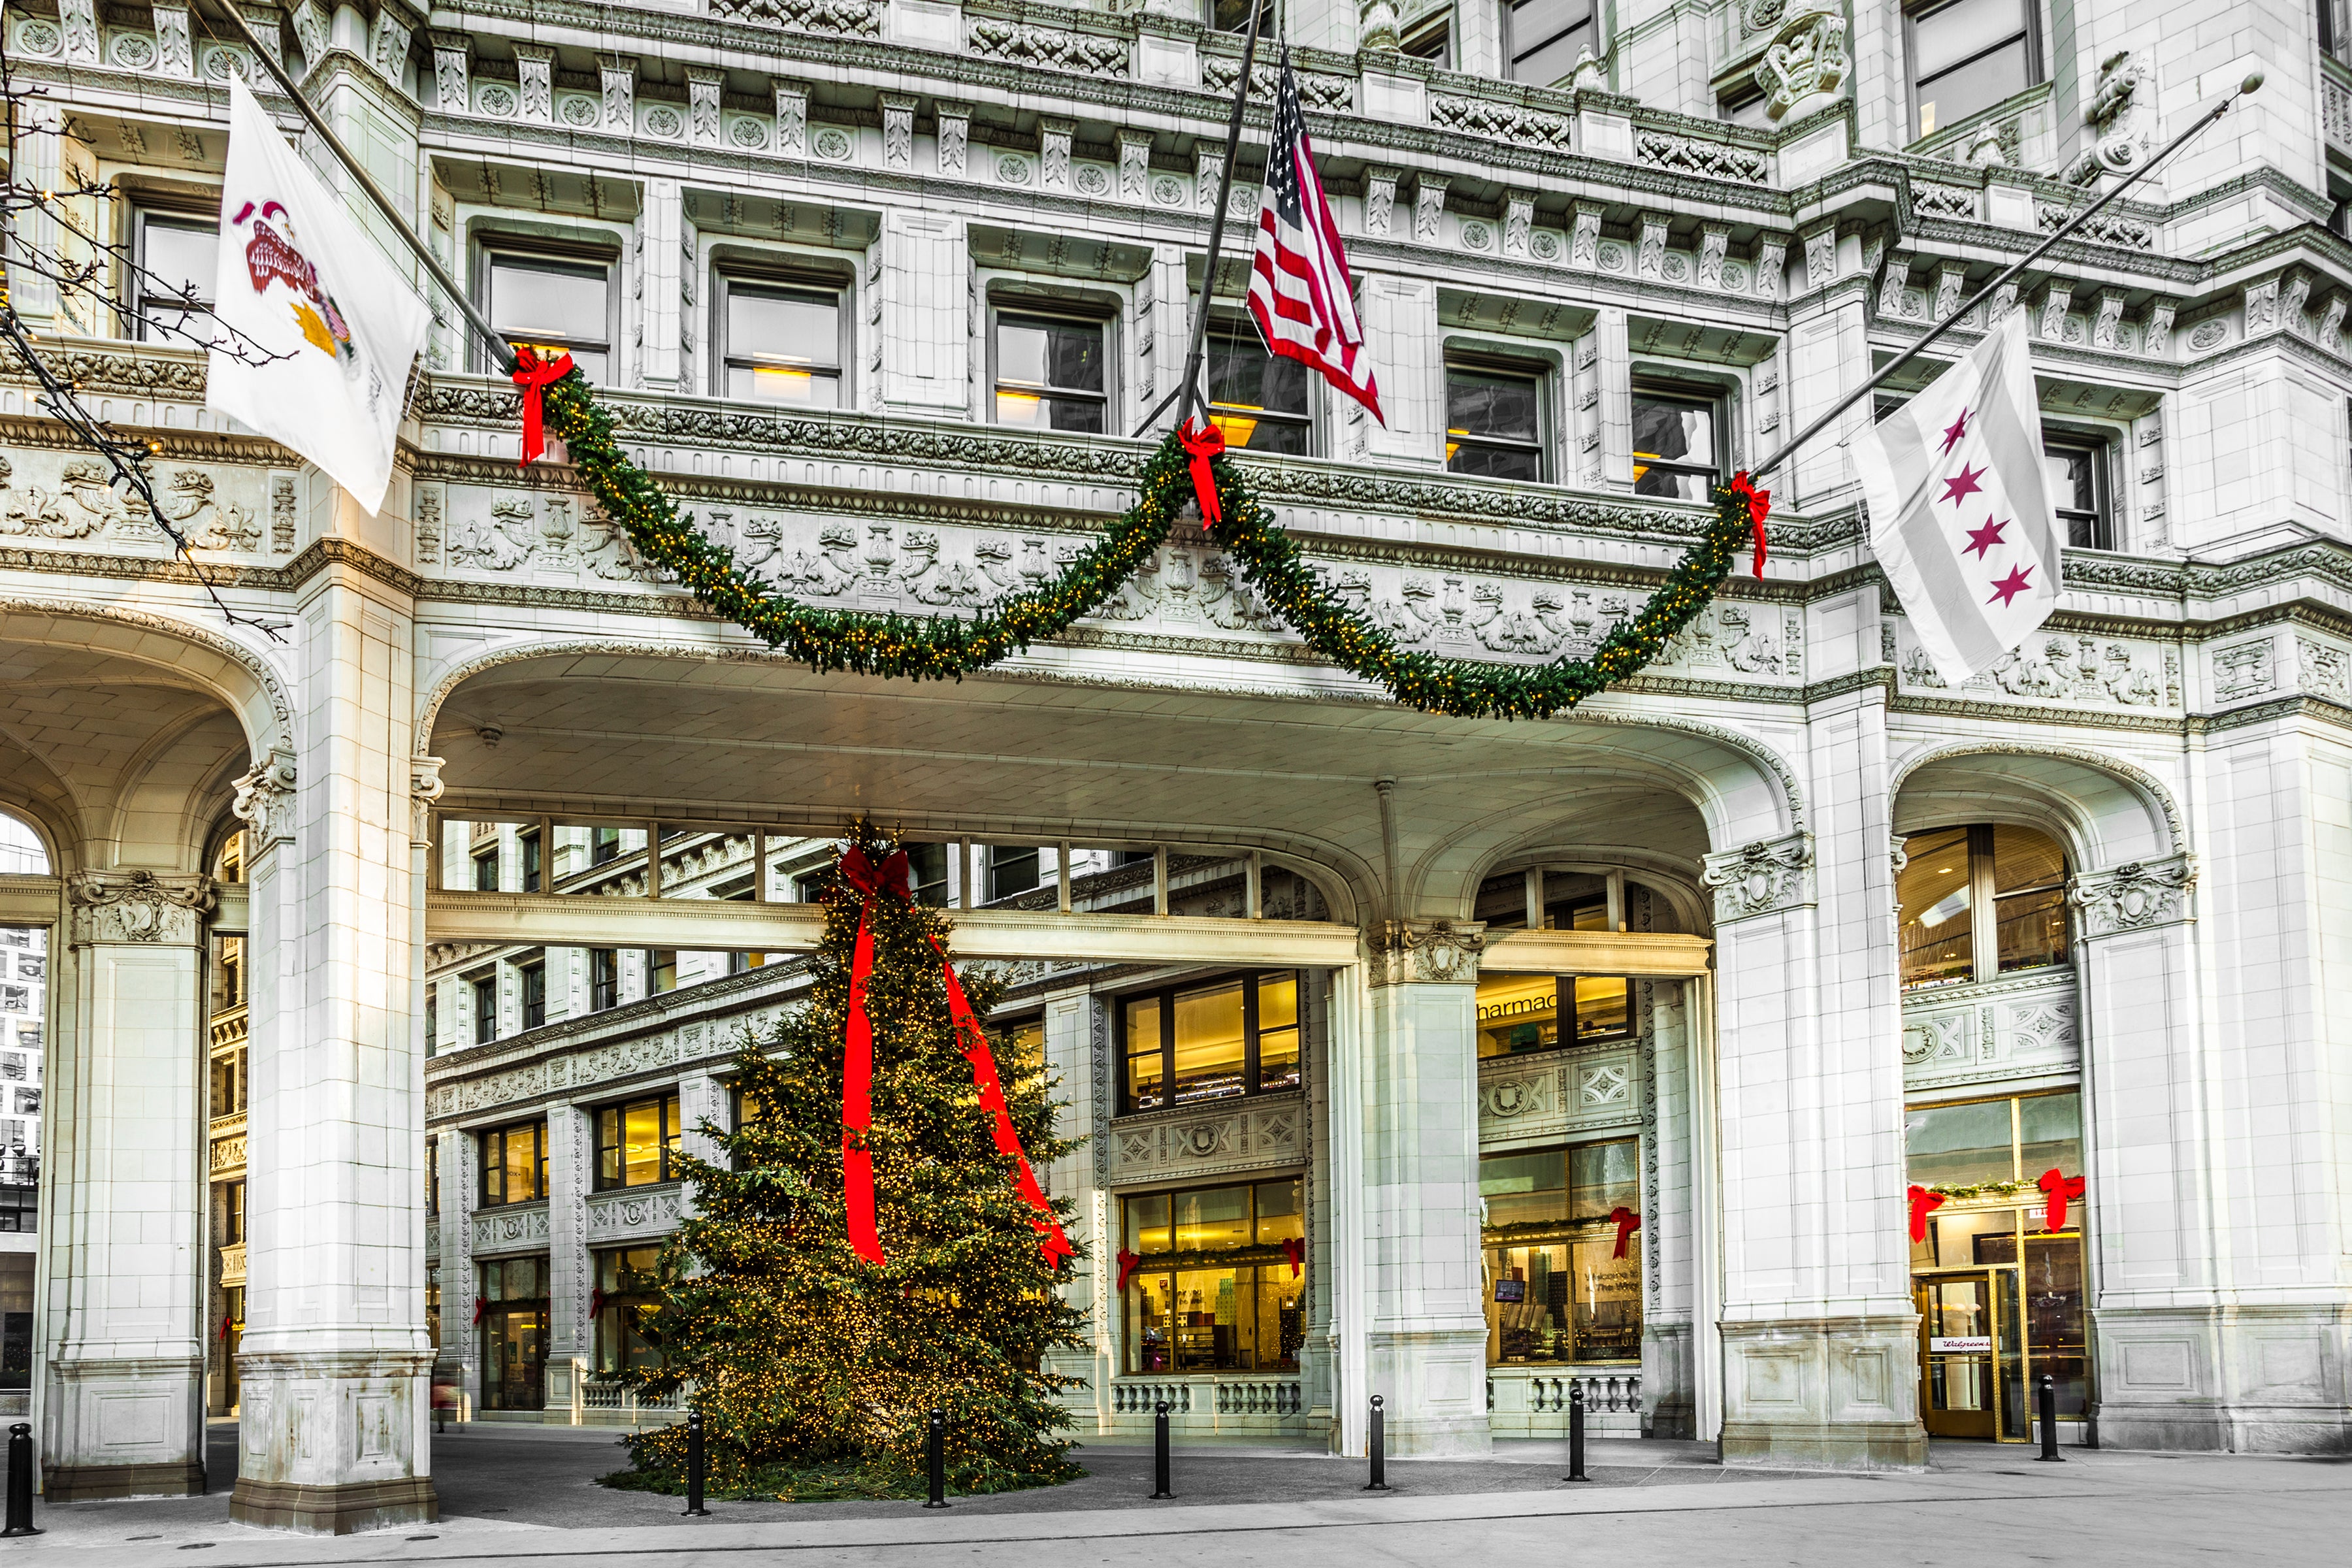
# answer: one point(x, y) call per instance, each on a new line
point(2134, 896)
point(160, 908)
point(1764, 878)
point(265, 801)
point(1439, 952)
point(424, 787)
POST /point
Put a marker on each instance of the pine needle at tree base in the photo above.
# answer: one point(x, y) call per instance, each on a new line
point(816, 1370)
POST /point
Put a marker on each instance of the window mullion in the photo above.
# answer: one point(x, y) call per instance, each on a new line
point(1168, 1071)
point(1984, 922)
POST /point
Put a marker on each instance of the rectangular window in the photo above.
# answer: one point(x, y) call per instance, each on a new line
point(486, 871)
point(1677, 451)
point(1231, 1037)
point(1967, 56)
point(604, 978)
point(783, 344)
point(927, 873)
point(432, 1019)
point(661, 970)
point(556, 306)
point(178, 259)
point(486, 1010)
point(433, 1176)
point(636, 1142)
point(1518, 1014)
point(1977, 902)
point(1220, 1281)
point(2078, 492)
point(534, 994)
point(232, 1213)
point(1012, 870)
point(1234, 16)
point(628, 1285)
point(1431, 39)
point(514, 1297)
point(534, 864)
point(1494, 422)
point(1051, 373)
point(1020, 1048)
point(603, 846)
point(514, 1164)
point(1554, 1289)
point(1546, 37)
point(1258, 399)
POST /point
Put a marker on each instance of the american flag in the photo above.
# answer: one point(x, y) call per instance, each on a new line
point(1299, 287)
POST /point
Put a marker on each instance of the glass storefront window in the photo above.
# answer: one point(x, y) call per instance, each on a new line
point(514, 1334)
point(2029, 899)
point(1210, 1043)
point(1960, 1145)
point(1981, 902)
point(1021, 1048)
point(1146, 1089)
point(1520, 1012)
point(1555, 1290)
point(1933, 893)
point(1277, 1031)
point(627, 1281)
point(514, 1164)
point(636, 1142)
point(1214, 1041)
point(1212, 1289)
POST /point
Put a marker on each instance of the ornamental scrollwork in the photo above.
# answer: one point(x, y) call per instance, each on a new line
point(2134, 895)
point(1764, 878)
point(1442, 952)
point(264, 801)
point(144, 907)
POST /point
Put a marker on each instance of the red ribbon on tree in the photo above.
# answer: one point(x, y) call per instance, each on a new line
point(1923, 1204)
point(534, 375)
point(480, 1307)
point(1760, 507)
point(1627, 1222)
point(2058, 1189)
point(1051, 1240)
point(857, 1059)
point(1201, 444)
point(1126, 1264)
point(1295, 1249)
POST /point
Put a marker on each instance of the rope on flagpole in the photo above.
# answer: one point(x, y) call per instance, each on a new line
point(500, 354)
point(2252, 82)
point(1189, 388)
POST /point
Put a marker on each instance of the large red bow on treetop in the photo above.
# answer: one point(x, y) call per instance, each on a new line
point(1201, 444)
point(534, 375)
point(857, 1059)
point(1627, 1222)
point(2058, 1189)
point(1295, 1249)
point(1127, 1262)
point(1760, 507)
point(1923, 1204)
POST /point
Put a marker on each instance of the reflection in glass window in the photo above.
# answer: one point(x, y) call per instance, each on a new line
point(1933, 893)
point(1258, 399)
point(1981, 902)
point(1219, 1291)
point(1676, 449)
point(179, 258)
point(784, 345)
point(1960, 1145)
point(1554, 1289)
point(1967, 56)
point(636, 1142)
point(1493, 423)
point(2078, 491)
point(556, 307)
point(1546, 37)
point(1232, 1036)
point(1050, 373)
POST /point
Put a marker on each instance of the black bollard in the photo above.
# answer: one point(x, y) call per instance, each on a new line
point(694, 1508)
point(1159, 1452)
point(2047, 1397)
point(1576, 1432)
point(935, 1456)
point(1377, 1447)
point(20, 1482)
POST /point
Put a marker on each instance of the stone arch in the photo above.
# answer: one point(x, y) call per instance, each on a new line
point(241, 679)
point(2103, 809)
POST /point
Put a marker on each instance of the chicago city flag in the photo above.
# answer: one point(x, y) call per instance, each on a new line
point(328, 328)
point(1960, 506)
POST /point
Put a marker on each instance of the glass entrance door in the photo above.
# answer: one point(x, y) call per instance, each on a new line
point(1961, 1387)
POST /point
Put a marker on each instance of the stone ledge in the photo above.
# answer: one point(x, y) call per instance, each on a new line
point(335, 1510)
point(91, 1483)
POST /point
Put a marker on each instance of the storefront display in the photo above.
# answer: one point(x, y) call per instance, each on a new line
point(514, 1334)
point(626, 1291)
point(1215, 1278)
point(1554, 1289)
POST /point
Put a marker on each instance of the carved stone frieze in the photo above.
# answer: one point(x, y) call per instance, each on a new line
point(1524, 1098)
point(2058, 668)
point(2134, 896)
point(512, 1227)
point(1270, 1132)
point(629, 1213)
point(2016, 1027)
point(142, 907)
point(1412, 952)
point(1764, 878)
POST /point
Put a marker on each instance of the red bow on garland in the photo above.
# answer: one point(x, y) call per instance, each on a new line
point(1627, 1222)
point(1201, 444)
point(480, 1307)
point(1923, 1204)
point(1126, 1264)
point(857, 1076)
point(2058, 1189)
point(1295, 1249)
point(1760, 507)
point(534, 375)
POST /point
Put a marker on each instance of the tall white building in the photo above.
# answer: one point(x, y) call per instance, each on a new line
point(1383, 1028)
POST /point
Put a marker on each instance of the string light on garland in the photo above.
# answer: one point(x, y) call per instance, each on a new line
point(946, 647)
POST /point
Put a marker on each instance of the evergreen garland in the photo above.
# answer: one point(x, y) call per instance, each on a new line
point(948, 647)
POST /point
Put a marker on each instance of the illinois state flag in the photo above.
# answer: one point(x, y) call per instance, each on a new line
point(328, 328)
point(1960, 506)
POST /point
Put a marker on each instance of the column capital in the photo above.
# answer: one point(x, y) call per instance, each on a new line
point(1437, 952)
point(148, 908)
point(265, 801)
point(424, 787)
point(2134, 896)
point(1765, 878)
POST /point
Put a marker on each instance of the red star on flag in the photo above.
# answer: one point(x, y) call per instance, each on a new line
point(1983, 539)
point(2010, 587)
point(1954, 431)
point(1963, 484)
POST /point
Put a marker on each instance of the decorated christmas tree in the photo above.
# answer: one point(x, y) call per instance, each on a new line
point(817, 1327)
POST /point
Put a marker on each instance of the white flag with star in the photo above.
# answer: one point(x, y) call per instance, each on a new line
point(1960, 506)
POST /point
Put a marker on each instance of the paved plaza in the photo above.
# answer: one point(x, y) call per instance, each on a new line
point(529, 1495)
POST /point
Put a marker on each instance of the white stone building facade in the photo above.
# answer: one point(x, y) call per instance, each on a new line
point(875, 287)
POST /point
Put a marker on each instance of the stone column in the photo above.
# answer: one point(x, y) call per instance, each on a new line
point(1668, 1235)
point(1818, 1350)
point(126, 1342)
point(1426, 1325)
point(570, 1145)
point(1075, 1065)
point(336, 1363)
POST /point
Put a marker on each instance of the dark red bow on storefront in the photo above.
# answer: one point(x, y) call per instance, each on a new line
point(480, 1307)
point(2058, 1190)
point(1923, 1204)
point(1201, 443)
point(1627, 1222)
point(534, 375)
point(1760, 507)
point(1127, 1262)
point(1295, 1249)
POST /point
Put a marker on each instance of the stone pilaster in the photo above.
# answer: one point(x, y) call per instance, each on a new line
point(571, 1147)
point(124, 1413)
point(1426, 1325)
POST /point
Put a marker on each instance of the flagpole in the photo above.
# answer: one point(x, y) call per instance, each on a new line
point(2253, 82)
point(1187, 388)
point(500, 354)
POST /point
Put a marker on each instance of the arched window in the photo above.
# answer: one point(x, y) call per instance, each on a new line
point(1978, 902)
